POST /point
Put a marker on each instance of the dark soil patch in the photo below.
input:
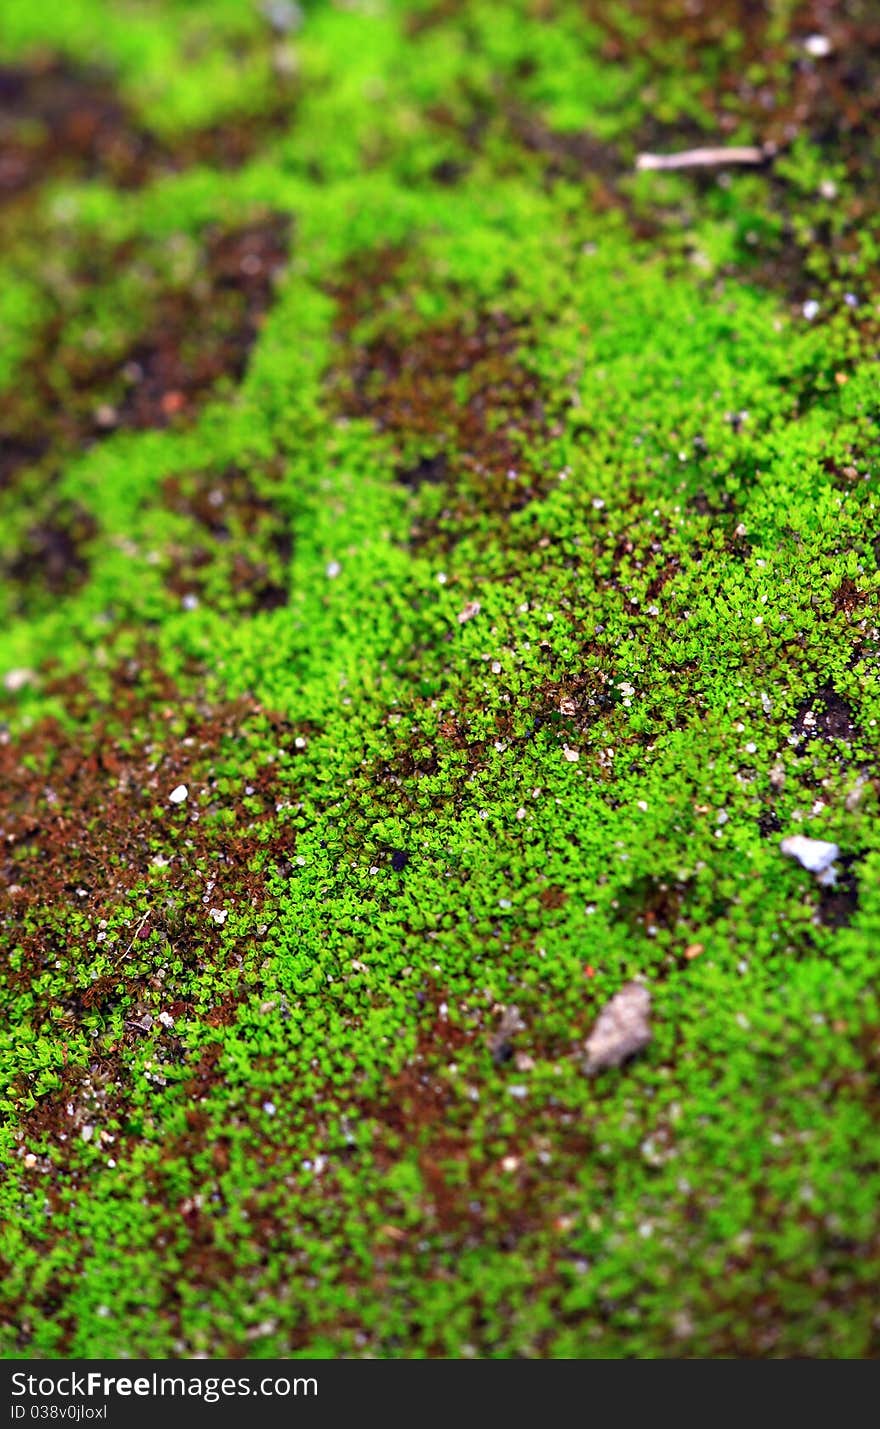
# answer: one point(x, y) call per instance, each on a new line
point(53, 557)
point(242, 544)
point(205, 333)
point(195, 337)
point(57, 118)
point(839, 902)
point(825, 716)
point(465, 414)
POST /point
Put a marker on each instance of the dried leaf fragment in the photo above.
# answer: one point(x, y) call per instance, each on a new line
point(621, 1029)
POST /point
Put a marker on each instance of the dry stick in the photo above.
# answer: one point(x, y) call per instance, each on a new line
point(137, 930)
point(707, 158)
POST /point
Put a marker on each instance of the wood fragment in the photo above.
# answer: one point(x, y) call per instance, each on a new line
point(707, 158)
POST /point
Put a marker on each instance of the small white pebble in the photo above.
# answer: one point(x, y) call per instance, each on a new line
point(332, 570)
point(190, 601)
point(818, 47)
point(520, 813)
point(518, 1091)
point(570, 754)
point(166, 1019)
point(87, 1132)
point(816, 855)
point(810, 309)
point(178, 795)
point(470, 610)
point(269, 1108)
point(15, 680)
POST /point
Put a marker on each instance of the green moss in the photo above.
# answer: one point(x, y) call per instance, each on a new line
point(502, 597)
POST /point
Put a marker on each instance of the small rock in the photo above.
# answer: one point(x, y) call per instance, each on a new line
point(815, 855)
point(219, 915)
point(283, 15)
point(621, 1029)
point(15, 680)
point(470, 610)
point(178, 795)
point(818, 47)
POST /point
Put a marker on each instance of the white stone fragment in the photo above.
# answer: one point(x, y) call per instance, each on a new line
point(815, 855)
point(178, 795)
point(15, 680)
point(621, 1029)
point(818, 47)
point(470, 610)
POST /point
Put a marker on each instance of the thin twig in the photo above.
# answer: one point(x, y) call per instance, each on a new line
point(137, 930)
point(707, 158)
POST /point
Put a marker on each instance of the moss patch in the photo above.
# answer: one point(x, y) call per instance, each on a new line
point(439, 567)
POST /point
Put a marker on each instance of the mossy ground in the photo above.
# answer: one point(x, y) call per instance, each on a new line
point(485, 534)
